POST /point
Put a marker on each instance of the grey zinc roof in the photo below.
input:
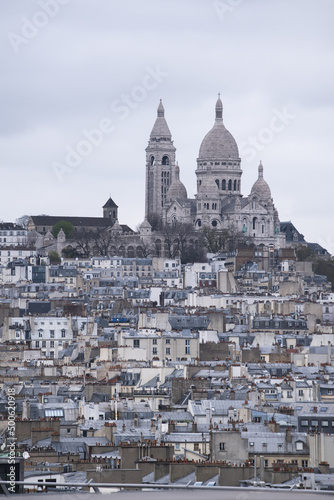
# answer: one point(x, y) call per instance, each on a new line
point(152, 383)
point(302, 383)
point(75, 445)
point(270, 442)
point(163, 480)
point(188, 479)
point(176, 416)
point(219, 406)
point(308, 409)
point(189, 437)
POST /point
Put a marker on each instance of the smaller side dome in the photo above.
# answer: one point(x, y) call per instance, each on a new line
point(177, 191)
point(260, 186)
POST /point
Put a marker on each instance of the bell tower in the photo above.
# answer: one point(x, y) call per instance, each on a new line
point(160, 165)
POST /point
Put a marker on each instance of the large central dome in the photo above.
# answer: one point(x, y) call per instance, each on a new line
point(219, 142)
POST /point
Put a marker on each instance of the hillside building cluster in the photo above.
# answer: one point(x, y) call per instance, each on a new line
point(138, 368)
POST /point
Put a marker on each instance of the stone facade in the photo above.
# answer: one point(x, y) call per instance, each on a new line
point(218, 203)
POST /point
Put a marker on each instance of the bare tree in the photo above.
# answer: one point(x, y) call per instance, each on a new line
point(147, 249)
point(236, 239)
point(23, 221)
point(103, 240)
point(224, 240)
point(214, 239)
point(177, 238)
point(83, 239)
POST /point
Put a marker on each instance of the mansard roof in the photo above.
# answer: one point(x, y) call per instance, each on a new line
point(230, 207)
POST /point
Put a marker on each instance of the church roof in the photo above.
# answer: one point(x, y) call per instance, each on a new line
point(49, 235)
point(117, 226)
point(230, 207)
point(290, 230)
point(78, 222)
point(261, 186)
point(110, 204)
point(218, 142)
point(160, 127)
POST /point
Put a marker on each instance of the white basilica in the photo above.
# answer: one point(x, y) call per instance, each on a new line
point(218, 202)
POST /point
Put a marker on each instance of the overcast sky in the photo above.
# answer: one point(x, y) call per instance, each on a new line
point(69, 67)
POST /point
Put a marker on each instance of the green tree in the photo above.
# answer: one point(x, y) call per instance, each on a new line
point(54, 257)
point(66, 226)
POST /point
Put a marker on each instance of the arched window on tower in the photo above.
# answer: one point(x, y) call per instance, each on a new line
point(165, 183)
point(234, 185)
point(238, 185)
point(152, 160)
point(165, 160)
point(230, 185)
point(254, 222)
point(217, 182)
point(223, 185)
